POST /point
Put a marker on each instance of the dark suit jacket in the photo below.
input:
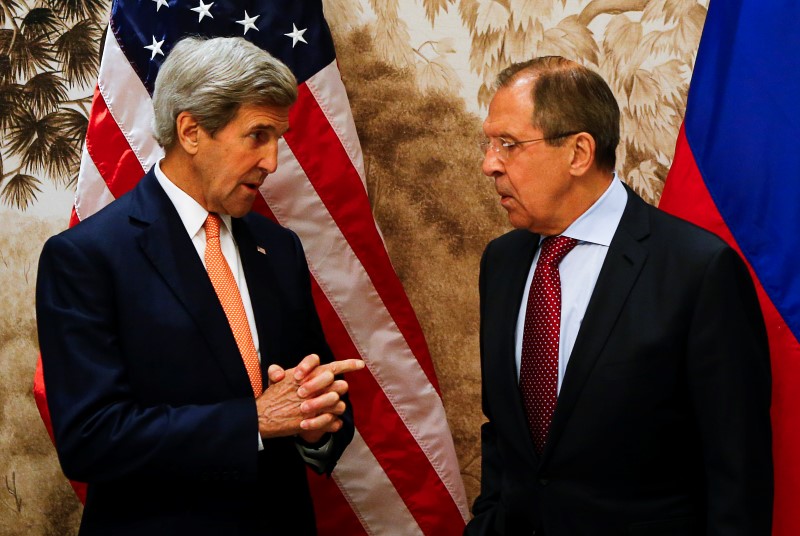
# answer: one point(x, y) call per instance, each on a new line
point(150, 401)
point(662, 422)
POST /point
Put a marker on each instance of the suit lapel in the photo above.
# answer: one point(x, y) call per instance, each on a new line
point(516, 275)
point(624, 261)
point(259, 273)
point(164, 241)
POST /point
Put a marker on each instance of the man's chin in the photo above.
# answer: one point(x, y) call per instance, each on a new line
point(240, 209)
point(517, 222)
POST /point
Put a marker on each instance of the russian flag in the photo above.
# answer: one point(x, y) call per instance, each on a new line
point(736, 172)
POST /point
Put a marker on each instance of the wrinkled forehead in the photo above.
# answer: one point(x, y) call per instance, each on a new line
point(256, 115)
point(511, 108)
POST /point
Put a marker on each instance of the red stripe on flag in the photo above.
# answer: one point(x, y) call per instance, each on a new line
point(384, 432)
point(40, 396)
point(334, 514)
point(73, 218)
point(387, 437)
point(340, 188)
point(686, 196)
point(109, 149)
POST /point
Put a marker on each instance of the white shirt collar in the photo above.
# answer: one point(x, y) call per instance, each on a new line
point(598, 224)
point(191, 213)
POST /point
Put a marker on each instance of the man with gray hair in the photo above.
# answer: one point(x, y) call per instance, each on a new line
point(188, 377)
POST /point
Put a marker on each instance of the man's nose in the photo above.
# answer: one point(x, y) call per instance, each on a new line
point(492, 166)
point(269, 157)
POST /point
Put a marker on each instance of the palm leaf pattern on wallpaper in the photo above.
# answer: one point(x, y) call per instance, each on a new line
point(644, 48)
point(46, 49)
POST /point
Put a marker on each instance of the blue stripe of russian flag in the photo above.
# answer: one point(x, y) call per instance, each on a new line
point(736, 172)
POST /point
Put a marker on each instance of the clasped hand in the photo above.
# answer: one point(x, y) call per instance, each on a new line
point(305, 400)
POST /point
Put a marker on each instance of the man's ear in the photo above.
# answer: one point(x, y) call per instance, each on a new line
point(188, 132)
point(583, 153)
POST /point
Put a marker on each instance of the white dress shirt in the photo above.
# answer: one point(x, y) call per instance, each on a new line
point(579, 270)
point(193, 216)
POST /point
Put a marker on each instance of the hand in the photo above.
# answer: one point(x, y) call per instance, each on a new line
point(323, 393)
point(314, 407)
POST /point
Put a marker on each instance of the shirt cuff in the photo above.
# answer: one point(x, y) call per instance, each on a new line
point(314, 455)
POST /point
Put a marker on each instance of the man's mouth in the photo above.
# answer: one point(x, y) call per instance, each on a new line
point(252, 186)
point(255, 183)
point(505, 200)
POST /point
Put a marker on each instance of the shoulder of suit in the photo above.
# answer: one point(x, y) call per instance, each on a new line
point(102, 222)
point(670, 233)
point(685, 231)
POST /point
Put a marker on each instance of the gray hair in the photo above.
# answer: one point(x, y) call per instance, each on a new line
point(567, 97)
point(211, 79)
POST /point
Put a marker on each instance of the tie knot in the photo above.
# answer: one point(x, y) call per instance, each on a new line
point(211, 226)
point(554, 248)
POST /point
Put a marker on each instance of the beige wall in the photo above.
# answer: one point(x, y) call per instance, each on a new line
point(418, 75)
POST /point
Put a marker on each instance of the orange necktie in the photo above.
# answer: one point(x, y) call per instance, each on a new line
point(228, 293)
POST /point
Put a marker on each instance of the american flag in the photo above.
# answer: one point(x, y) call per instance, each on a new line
point(400, 475)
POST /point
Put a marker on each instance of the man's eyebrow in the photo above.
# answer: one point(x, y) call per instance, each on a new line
point(503, 134)
point(260, 127)
point(263, 126)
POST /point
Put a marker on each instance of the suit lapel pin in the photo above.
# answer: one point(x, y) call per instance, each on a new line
point(261, 250)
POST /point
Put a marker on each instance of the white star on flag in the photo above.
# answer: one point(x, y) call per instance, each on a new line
point(247, 22)
point(203, 10)
point(296, 35)
point(160, 3)
point(155, 47)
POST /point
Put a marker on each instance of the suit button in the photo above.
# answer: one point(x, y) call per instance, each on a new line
point(544, 481)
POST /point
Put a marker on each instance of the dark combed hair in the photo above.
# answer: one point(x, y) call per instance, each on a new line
point(568, 97)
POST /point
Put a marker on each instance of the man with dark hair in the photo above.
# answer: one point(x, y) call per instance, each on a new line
point(625, 366)
point(188, 378)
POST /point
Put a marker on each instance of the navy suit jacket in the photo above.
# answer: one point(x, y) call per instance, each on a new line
point(662, 422)
point(150, 401)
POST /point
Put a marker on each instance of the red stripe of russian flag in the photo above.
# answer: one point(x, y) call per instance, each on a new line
point(685, 195)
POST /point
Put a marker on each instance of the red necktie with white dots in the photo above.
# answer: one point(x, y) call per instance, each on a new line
point(231, 299)
point(538, 375)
